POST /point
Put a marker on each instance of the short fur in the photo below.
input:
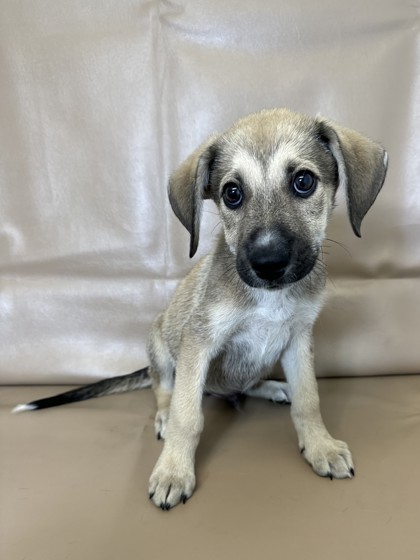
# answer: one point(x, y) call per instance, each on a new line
point(253, 300)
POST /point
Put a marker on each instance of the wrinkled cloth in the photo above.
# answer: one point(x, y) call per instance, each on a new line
point(100, 102)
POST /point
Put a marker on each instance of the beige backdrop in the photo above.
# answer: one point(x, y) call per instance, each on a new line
point(99, 101)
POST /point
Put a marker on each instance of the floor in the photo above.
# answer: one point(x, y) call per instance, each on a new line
point(74, 480)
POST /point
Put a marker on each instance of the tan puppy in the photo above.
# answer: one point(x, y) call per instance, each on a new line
point(254, 299)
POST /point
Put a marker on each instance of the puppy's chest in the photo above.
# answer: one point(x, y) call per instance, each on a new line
point(261, 336)
point(259, 333)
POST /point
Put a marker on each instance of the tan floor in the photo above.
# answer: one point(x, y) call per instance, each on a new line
point(74, 480)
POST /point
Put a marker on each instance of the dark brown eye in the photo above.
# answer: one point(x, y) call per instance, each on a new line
point(232, 195)
point(304, 183)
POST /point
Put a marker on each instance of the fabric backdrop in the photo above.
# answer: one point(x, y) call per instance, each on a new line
point(99, 101)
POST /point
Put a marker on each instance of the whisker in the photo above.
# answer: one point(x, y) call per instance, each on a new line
point(340, 245)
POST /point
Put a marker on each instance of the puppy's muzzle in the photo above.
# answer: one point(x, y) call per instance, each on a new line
point(272, 258)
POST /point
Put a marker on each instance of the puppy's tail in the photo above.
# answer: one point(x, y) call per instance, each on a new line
point(121, 384)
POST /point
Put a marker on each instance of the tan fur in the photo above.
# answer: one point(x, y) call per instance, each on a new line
point(226, 326)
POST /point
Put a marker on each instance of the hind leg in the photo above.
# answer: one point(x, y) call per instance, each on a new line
point(163, 401)
point(161, 372)
point(276, 391)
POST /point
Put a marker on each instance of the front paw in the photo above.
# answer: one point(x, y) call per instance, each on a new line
point(171, 482)
point(329, 457)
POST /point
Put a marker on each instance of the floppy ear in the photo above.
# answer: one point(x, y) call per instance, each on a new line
point(189, 185)
point(362, 166)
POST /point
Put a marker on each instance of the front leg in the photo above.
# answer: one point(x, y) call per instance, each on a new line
point(173, 478)
point(327, 456)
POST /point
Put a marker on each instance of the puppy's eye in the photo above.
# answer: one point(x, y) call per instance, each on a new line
point(304, 183)
point(232, 195)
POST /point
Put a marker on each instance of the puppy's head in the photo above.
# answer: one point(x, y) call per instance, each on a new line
point(274, 176)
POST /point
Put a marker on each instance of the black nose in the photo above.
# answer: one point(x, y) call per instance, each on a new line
point(269, 255)
point(269, 268)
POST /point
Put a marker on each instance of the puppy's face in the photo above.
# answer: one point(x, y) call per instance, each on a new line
point(273, 176)
point(274, 181)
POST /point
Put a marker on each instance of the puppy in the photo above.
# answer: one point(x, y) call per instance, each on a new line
point(253, 300)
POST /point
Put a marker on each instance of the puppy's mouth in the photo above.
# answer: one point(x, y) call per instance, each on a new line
point(291, 274)
point(274, 267)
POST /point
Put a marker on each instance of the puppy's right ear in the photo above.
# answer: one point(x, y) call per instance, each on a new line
point(189, 185)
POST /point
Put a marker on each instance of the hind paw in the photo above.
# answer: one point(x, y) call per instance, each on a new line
point(161, 421)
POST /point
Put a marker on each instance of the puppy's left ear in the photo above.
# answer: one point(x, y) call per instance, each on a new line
point(362, 166)
point(189, 185)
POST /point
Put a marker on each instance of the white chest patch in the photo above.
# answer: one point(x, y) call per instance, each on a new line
point(259, 342)
point(252, 340)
